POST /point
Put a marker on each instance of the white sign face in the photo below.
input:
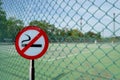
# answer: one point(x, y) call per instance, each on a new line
point(36, 47)
point(31, 42)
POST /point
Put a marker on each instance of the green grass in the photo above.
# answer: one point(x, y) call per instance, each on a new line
point(64, 62)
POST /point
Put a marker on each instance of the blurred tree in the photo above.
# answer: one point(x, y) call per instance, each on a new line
point(92, 36)
point(42, 24)
point(64, 34)
point(47, 27)
point(75, 33)
point(98, 35)
point(2, 22)
point(50, 29)
point(13, 27)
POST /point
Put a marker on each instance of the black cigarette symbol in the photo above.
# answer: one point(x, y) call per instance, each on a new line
point(34, 45)
point(29, 38)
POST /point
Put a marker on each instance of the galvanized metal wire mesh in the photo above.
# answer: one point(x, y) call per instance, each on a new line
point(84, 38)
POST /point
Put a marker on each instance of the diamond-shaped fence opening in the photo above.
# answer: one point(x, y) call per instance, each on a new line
point(84, 39)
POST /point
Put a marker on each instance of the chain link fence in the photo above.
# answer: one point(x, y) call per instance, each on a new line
point(84, 38)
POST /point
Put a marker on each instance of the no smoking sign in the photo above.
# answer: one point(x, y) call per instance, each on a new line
point(31, 42)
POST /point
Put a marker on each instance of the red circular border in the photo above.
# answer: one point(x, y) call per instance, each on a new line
point(44, 49)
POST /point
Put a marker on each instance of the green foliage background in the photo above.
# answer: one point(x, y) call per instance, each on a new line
point(11, 26)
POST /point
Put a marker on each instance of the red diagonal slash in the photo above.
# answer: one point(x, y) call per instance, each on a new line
point(31, 42)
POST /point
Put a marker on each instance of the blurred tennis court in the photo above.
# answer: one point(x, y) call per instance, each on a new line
point(81, 61)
